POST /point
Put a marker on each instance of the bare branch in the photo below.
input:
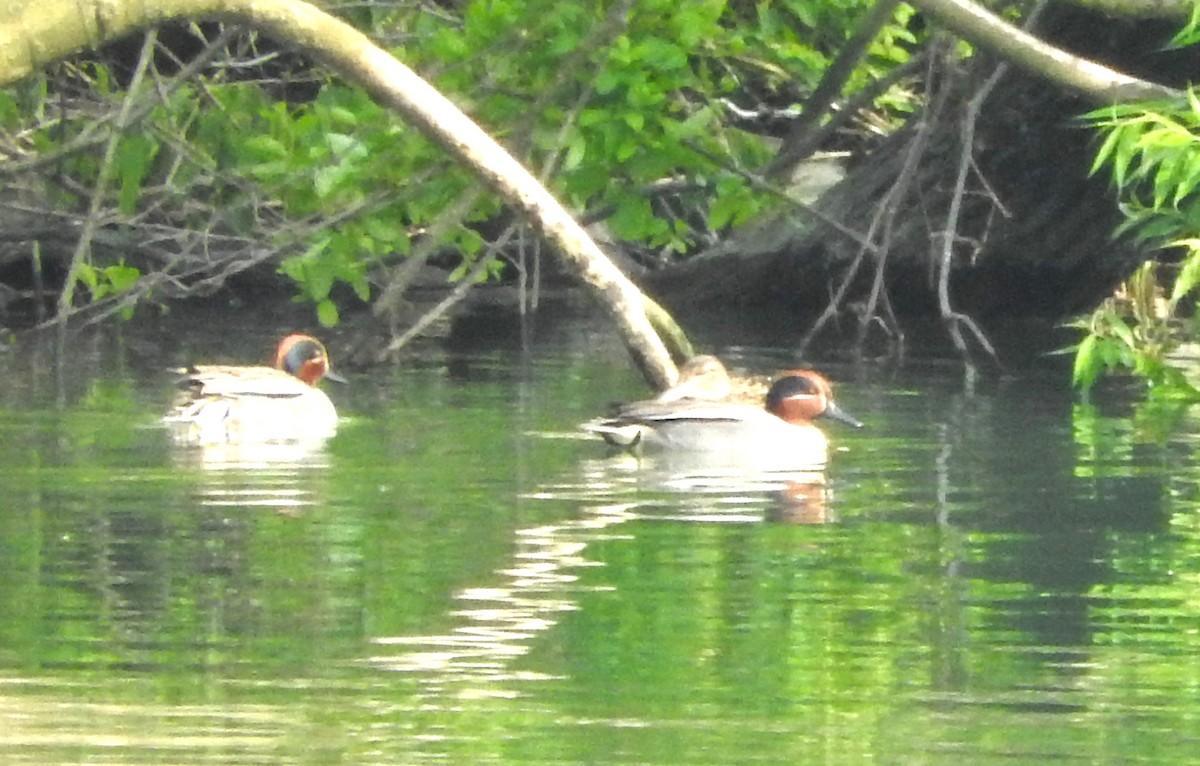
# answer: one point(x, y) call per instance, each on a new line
point(831, 85)
point(62, 26)
point(980, 26)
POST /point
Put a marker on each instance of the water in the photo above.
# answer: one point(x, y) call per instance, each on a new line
point(986, 574)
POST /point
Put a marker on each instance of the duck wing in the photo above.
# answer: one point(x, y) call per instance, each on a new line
point(236, 382)
point(652, 411)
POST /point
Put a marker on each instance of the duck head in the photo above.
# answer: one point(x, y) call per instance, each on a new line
point(800, 396)
point(306, 358)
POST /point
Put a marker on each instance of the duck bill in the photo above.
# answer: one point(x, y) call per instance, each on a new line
point(837, 413)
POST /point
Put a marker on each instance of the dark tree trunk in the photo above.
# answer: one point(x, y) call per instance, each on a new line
point(1035, 235)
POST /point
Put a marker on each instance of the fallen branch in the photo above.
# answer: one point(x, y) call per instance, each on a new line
point(62, 26)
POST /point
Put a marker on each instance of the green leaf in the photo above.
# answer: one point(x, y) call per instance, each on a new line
point(1105, 150)
point(132, 161)
point(697, 124)
point(121, 276)
point(627, 148)
point(362, 287)
point(1123, 332)
point(576, 152)
point(1085, 369)
point(10, 111)
point(732, 204)
point(386, 229)
point(318, 279)
point(633, 218)
point(263, 148)
point(327, 313)
point(607, 81)
point(662, 54)
point(344, 116)
point(1188, 277)
point(326, 180)
point(87, 274)
point(342, 145)
point(1123, 157)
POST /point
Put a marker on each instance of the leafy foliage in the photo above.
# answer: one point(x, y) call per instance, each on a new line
point(337, 188)
point(1153, 153)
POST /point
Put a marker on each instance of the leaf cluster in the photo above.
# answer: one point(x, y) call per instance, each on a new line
point(630, 122)
point(1153, 154)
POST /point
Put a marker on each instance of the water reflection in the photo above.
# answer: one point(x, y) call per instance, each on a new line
point(282, 476)
point(260, 456)
point(285, 475)
point(693, 488)
point(1006, 579)
point(37, 729)
point(501, 621)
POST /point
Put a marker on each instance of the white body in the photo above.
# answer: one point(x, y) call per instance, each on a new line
point(238, 405)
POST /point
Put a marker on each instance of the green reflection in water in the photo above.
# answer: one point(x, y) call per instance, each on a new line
point(455, 579)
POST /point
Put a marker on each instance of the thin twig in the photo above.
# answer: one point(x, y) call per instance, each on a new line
point(794, 149)
point(955, 320)
point(882, 223)
point(903, 186)
point(457, 294)
point(103, 176)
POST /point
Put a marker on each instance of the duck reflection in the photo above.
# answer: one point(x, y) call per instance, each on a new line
point(699, 488)
point(286, 477)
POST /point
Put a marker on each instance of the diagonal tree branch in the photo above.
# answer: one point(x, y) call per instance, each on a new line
point(51, 29)
point(980, 26)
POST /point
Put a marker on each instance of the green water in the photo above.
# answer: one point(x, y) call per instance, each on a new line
point(986, 576)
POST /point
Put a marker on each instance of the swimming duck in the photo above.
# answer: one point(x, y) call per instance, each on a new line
point(783, 429)
point(223, 404)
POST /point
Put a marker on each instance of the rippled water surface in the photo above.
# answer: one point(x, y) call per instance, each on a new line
point(987, 573)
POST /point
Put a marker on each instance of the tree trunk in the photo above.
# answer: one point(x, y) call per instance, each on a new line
point(1034, 236)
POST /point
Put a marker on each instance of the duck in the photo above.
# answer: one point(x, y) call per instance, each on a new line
point(235, 404)
point(702, 377)
point(782, 429)
point(705, 377)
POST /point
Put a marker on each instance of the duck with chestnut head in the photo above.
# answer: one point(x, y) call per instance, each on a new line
point(701, 424)
point(228, 404)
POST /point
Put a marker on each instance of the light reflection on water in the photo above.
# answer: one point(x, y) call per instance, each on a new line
point(284, 476)
point(51, 721)
point(973, 578)
point(500, 621)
